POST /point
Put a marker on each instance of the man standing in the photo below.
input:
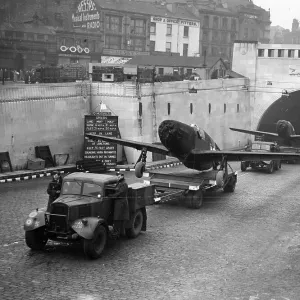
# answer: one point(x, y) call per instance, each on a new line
point(121, 209)
point(53, 189)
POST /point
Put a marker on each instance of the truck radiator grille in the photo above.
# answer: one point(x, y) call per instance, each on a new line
point(58, 224)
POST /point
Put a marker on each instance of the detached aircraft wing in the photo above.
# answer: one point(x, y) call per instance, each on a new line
point(133, 144)
point(271, 135)
point(243, 155)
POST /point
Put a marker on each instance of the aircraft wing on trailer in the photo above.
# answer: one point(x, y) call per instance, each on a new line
point(132, 144)
point(208, 155)
point(271, 135)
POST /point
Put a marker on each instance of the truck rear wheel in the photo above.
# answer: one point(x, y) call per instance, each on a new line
point(93, 248)
point(243, 166)
point(36, 239)
point(270, 167)
point(135, 225)
point(194, 199)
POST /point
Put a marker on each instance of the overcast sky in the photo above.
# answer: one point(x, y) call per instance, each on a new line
point(282, 12)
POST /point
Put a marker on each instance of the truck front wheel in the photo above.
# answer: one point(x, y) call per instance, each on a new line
point(195, 199)
point(36, 239)
point(93, 248)
point(270, 167)
point(135, 225)
point(243, 166)
point(139, 169)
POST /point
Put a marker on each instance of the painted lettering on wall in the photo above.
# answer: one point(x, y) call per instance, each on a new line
point(250, 16)
point(175, 21)
point(86, 16)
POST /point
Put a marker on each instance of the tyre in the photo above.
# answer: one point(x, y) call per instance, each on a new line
point(243, 166)
point(230, 187)
point(220, 179)
point(93, 248)
point(276, 165)
point(36, 239)
point(136, 225)
point(279, 164)
point(270, 167)
point(139, 169)
point(194, 199)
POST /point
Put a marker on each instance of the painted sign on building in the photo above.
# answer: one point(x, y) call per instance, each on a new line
point(174, 21)
point(250, 16)
point(86, 16)
point(114, 60)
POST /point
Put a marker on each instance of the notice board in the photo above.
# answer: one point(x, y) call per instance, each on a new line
point(103, 124)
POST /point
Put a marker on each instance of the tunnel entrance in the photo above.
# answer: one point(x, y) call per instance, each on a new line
point(287, 107)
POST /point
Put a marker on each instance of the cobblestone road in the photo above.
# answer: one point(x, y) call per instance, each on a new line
point(244, 245)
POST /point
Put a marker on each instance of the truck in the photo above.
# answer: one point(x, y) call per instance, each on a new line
point(269, 165)
point(190, 186)
point(84, 213)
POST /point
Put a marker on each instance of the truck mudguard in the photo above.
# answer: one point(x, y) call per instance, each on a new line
point(85, 227)
point(36, 219)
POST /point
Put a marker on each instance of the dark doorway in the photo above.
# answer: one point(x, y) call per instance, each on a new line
point(287, 107)
point(19, 62)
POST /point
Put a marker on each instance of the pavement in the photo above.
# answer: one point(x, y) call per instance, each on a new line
point(238, 246)
point(32, 174)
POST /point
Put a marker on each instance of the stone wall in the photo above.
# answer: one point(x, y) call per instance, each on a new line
point(40, 115)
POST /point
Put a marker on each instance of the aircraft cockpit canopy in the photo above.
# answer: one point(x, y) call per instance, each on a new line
point(200, 132)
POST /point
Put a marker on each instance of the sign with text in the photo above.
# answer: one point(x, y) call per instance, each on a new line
point(175, 21)
point(103, 124)
point(114, 60)
point(86, 16)
point(123, 52)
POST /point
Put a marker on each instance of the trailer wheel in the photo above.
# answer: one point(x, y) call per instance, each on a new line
point(195, 199)
point(230, 187)
point(270, 167)
point(220, 179)
point(139, 169)
point(136, 225)
point(276, 165)
point(243, 166)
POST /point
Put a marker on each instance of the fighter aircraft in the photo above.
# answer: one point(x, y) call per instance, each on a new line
point(285, 135)
point(191, 145)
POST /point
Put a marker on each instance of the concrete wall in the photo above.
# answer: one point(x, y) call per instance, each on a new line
point(40, 115)
point(154, 99)
point(269, 74)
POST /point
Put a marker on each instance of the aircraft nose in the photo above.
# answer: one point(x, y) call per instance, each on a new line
point(176, 136)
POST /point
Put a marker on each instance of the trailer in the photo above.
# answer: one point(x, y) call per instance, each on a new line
point(189, 186)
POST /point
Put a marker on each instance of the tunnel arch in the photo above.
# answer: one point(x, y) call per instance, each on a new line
point(285, 108)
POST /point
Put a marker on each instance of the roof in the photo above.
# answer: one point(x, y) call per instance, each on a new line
point(233, 74)
point(143, 7)
point(92, 177)
point(173, 61)
point(28, 27)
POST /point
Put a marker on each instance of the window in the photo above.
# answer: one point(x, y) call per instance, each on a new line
point(113, 42)
point(138, 26)
point(215, 51)
point(91, 189)
point(280, 53)
point(175, 71)
point(237, 108)
point(224, 108)
point(191, 108)
point(74, 60)
point(161, 71)
point(206, 22)
point(169, 29)
point(216, 22)
point(225, 23)
point(254, 34)
point(245, 33)
point(72, 188)
point(30, 36)
point(185, 49)
point(19, 35)
point(291, 53)
point(138, 44)
point(271, 53)
point(152, 46)
point(153, 28)
point(205, 36)
point(140, 109)
point(232, 37)
point(168, 47)
point(209, 108)
point(298, 53)
point(40, 37)
point(233, 24)
point(113, 23)
point(169, 108)
point(186, 31)
point(215, 36)
point(189, 71)
point(261, 52)
point(224, 37)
